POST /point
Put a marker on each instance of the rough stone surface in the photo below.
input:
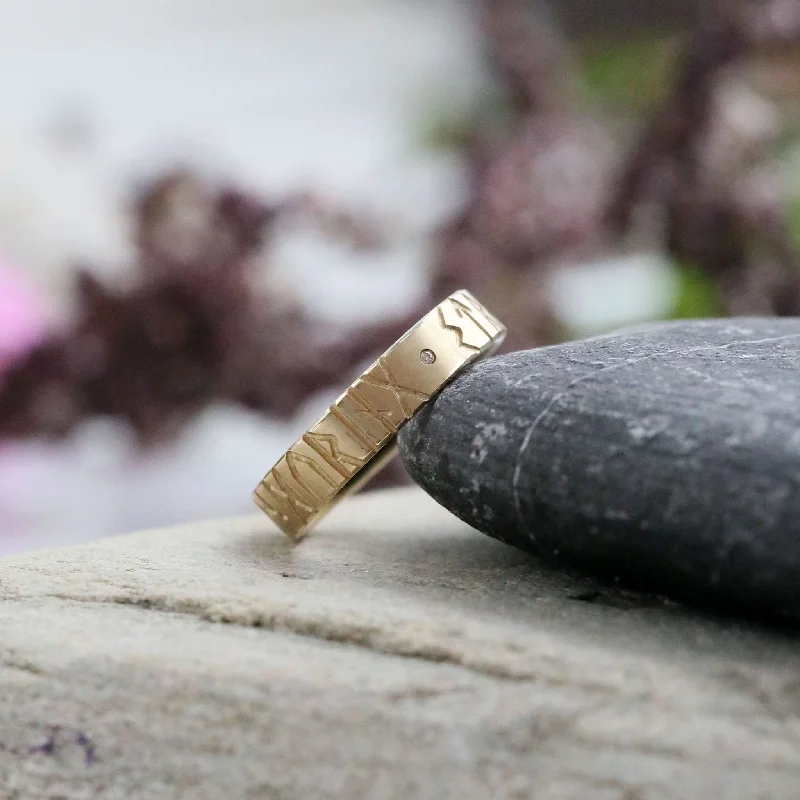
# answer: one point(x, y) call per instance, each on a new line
point(666, 456)
point(395, 654)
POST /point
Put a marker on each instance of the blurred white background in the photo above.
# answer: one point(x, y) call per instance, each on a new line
point(318, 94)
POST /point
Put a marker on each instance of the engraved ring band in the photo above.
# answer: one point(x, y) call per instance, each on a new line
point(357, 435)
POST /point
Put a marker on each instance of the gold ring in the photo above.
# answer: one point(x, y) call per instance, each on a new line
point(357, 435)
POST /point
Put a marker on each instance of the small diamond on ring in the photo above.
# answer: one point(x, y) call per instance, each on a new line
point(427, 356)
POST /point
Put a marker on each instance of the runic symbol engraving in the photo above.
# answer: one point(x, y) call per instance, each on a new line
point(384, 418)
point(494, 326)
point(293, 459)
point(465, 311)
point(351, 424)
point(402, 393)
point(327, 445)
point(456, 316)
point(281, 502)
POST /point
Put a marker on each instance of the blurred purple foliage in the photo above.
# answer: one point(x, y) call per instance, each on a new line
point(195, 325)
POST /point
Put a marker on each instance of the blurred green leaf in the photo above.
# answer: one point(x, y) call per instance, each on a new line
point(449, 127)
point(633, 74)
point(697, 296)
point(793, 218)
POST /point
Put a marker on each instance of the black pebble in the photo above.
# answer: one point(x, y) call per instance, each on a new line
point(666, 457)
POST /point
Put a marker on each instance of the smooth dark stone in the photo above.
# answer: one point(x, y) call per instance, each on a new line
point(666, 457)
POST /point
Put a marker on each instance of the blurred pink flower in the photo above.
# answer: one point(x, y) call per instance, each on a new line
point(22, 315)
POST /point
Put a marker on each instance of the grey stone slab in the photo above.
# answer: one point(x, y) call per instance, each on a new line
point(396, 653)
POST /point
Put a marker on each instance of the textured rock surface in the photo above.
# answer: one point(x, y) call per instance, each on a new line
point(396, 654)
point(667, 456)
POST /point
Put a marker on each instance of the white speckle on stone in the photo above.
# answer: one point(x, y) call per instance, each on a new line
point(488, 432)
point(647, 428)
point(479, 451)
point(493, 431)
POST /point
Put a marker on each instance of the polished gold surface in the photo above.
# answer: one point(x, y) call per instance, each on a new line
point(356, 437)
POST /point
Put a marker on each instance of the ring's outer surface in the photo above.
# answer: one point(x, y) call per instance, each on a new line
point(356, 436)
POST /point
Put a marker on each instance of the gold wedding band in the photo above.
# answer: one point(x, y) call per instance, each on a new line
point(357, 435)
